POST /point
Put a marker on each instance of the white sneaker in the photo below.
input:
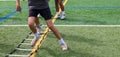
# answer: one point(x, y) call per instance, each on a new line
point(63, 17)
point(39, 29)
point(64, 47)
point(34, 40)
point(58, 16)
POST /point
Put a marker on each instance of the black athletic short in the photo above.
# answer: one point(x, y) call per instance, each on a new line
point(45, 13)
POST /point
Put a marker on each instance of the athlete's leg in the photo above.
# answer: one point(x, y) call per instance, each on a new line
point(61, 5)
point(62, 9)
point(38, 25)
point(51, 26)
point(56, 5)
point(57, 8)
point(47, 16)
point(57, 34)
point(37, 21)
point(31, 23)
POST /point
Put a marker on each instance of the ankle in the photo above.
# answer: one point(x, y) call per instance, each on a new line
point(36, 35)
point(61, 41)
point(63, 12)
point(58, 13)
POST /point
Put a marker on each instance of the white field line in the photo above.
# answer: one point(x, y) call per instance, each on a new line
point(68, 25)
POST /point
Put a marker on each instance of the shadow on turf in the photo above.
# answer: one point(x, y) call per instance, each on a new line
point(72, 52)
point(68, 53)
point(81, 39)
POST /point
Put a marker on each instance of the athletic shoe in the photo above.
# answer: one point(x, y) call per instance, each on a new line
point(58, 16)
point(64, 47)
point(39, 29)
point(34, 40)
point(63, 17)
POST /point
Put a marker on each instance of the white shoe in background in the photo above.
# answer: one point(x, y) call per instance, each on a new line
point(58, 16)
point(63, 17)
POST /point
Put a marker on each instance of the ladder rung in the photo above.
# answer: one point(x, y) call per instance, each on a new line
point(25, 43)
point(39, 34)
point(14, 55)
point(31, 35)
point(23, 49)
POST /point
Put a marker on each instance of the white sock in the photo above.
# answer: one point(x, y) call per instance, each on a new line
point(36, 35)
point(61, 41)
point(63, 12)
point(58, 13)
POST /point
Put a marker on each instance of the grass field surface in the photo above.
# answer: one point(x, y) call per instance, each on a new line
point(77, 12)
point(83, 41)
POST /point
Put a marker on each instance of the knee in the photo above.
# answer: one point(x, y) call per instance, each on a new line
point(30, 24)
point(60, 2)
point(31, 21)
point(50, 24)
